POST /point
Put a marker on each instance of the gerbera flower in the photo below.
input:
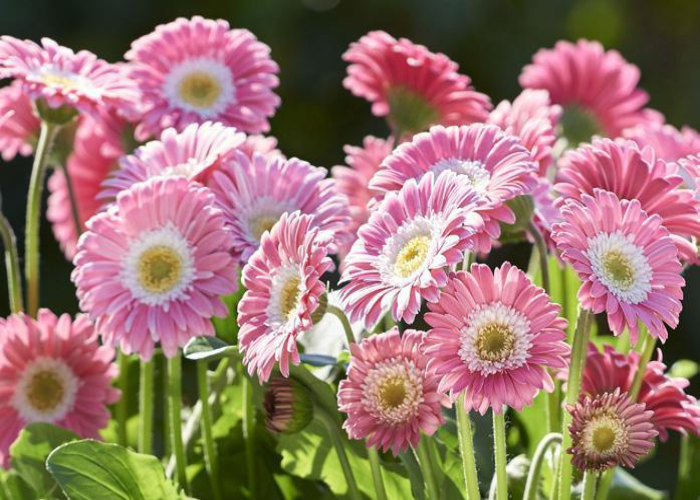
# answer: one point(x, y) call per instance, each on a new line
point(667, 141)
point(194, 70)
point(52, 369)
point(664, 395)
point(389, 396)
point(690, 171)
point(96, 148)
point(255, 192)
point(546, 211)
point(626, 260)
point(413, 87)
point(283, 290)
point(195, 153)
point(493, 337)
point(403, 251)
point(609, 430)
point(533, 119)
point(19, 125)
point(61, 77)
point(632, 174)
point(597, 89)
point(264, 145)
point(154, 266)
point(287, 406)
point(497, 166)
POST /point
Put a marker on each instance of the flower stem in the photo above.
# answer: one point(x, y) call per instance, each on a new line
point(122, 405)
point(589, 479)
point(469, 259)
point(541, 248)
point(427, 468)
point(146, 407)
point(340, 314)
point(499, 449)
point(210, 460)
point(466, 449)
point(175, 419)
point(339, 445)
point(36, 185)
point(14, 282)
point(73, 200)
point(645, 355)
point(249, 436)
point(573, 385)
point(376, 467)
point(533, 475)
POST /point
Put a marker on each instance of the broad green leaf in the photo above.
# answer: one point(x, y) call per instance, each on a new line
point(227, 328)
point(13, 487)
point(627, 487)
point(318, 359)
point(90, 470)
point(208, 349)
point(688, 485)
point(684, 368)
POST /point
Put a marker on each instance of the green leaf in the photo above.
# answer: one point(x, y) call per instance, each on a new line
point(208, 349)
point(627, 487)
point(684, 368)
point(28, 456)
point(688, 485)
point(13, 487)
point(88, 470)
point(227, 328)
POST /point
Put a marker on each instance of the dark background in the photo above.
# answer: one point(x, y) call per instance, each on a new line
point(490, 39)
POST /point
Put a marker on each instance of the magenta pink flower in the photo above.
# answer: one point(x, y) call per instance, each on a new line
point(493, 337)
point(195, 153)
point(96, 148)
point(61, 77)
point(255, 192)
point(597, 89)
point(667, 141)
point(403, 252)
point(389, 396)
point(413, 87)
point(532, 118)
point(664, 395)
point(283, 290)
point(547, 213)
point(194, 70)
point(19, 125)
point(634, 175)
point(154, 266)
point(52, 369)
point(497, 166)
point(626, 260)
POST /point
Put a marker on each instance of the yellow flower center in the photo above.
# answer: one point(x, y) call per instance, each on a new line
point(412, 256)
point(45, 391)
point(199, 89)
point(495, 342)
point(290, 296)
point(605, 435)
point(159, 269)
point(618, 269)
point(58, 80)
point(392, 393)
point(603, 438)
point(262, 223)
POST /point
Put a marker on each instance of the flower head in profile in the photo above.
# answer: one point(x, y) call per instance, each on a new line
point(19, 125)
point(690, 171)
point(283, 290)
point(60, 77)
point(626, 260)
point(493, 336)
point(609, 430)
point(413, 87)
point(53, 369)
point(254, 193)
point(195, 70)
point(667, 141)
point(596, 88)
point(153, 267)
point(498, 167)
point(287, 406)
point(403, 252)
point(388, 395)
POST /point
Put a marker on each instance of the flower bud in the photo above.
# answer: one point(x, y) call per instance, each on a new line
point(524, 208)
point(287, 405)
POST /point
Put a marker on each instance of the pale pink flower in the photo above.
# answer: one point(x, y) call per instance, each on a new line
point(667, 141)
point(264, 145)
point(19, 125)
point(389, 396)
point(283, 290)
point(154, 266)
point(689, 169)
point(547, 213)
point(493, 336)
point(195, 70)
point(53, 369)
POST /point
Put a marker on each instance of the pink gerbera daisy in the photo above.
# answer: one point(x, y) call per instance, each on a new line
point(255, 192)
point(626, 260)
point(633, 174)
point(413, 87)
point(96, 148)
point(19, 125)
point(497, 166)
point(283, 290)
point(389, 396)
point(664, 395)
point(264, 145)
point(690, 171)
point(52, 369)
point(195, 153)
point(154, 266)
point(403, 251)
point(533, 119)
point(194, 70)
point(61, 77)
point(667, 141)
point(493, 337)
point(597, 89)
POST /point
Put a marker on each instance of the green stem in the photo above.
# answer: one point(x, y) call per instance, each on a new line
point(146, 407)
point(36, 185)
point(589, 479)
point(466, 449)
point(553, 406)
point(469, 259)
point(685, 469)
point(340, 314)
point(73, 200)
point(175, 420)
point(249, 436)
point(573, 384)
point(644, 357)
point(339, 445)
point(499, 449)
point(427, 467)
point(605, 484)
point(14, 282)
point(541, 248)
point(210, 460)
point(376, 467)
point(122, 405)
point(533, 475)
